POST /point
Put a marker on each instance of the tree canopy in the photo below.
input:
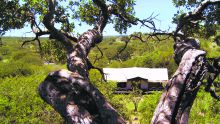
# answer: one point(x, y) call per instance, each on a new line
point(205, 24)
point(120, 13)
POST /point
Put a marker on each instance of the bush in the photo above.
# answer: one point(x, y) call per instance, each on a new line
point(1, 58)
point(147, 106)
point(205, 109)
point(53, 51)
point(20, 102)
point(15, 69)
point(22, 63)
point(27, 57)
point(5, 50)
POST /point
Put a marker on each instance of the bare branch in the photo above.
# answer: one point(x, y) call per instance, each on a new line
point(125, 46)
point(122, 15)
point(138, 36)
point(37, 35)
point(148, 22)
point(98, 58)
point(90, 66)
point(27, 41)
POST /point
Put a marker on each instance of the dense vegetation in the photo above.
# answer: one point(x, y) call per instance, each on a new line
point(22, 70)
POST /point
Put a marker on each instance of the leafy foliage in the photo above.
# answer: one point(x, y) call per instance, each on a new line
point(11, 15)
point(20, 102)
point(147, 106)
point(53, 51)
point(207, 26)
point(205, 109)
point(20, 77)
point(15, 13)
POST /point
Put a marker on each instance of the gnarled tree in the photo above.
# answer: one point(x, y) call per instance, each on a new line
point(70, 91)
point(180, 92)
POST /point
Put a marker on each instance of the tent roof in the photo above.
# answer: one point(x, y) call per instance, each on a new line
point(123, 74)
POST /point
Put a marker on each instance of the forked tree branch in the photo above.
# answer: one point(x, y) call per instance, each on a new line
point(48, 22)
point(39, 32)
point(181, 90)
point(70, 92)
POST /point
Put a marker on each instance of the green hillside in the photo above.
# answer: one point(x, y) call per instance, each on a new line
point(22, 69)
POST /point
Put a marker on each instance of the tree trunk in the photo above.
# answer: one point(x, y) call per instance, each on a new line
point(177, 99)
point(71, 93)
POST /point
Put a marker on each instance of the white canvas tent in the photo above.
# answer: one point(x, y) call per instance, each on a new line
point(123, 74)
point(149, 78)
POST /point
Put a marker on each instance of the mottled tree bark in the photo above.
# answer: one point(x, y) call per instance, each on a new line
point(180, 92)
point(70, 92)
point(176, 101)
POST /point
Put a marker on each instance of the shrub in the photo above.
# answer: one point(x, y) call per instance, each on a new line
point(205, 109)
point(147, 106)
point(53, 51)
point(27, 57)
point(20, 102)
point(5, 50)
point(15, 69)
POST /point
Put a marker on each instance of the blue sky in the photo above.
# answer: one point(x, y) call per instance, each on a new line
point(143, 8)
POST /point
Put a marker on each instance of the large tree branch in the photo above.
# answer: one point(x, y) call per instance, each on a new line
point(195, 15)
point(48, 22)
point(104, 15)
point(180, 92)
point(169, 104)
point(77, 100)
point(70, 92)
